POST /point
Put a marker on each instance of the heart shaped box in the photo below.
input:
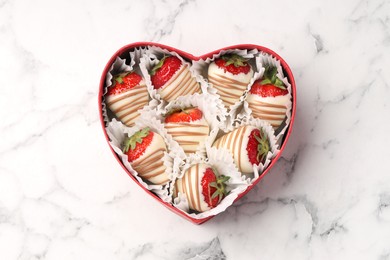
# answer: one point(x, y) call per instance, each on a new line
point(122, 52)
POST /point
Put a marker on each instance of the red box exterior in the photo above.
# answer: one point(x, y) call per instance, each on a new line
point(188, 56)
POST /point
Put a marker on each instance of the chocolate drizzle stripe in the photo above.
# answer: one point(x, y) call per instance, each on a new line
point(197, 190)
point(229, 138)
point(228, 92)
point(188, 88)
point(133, 110)
point(258, 110)
point(141, 161)
point(175, 93)
point(132, 92)
point(225, 88)
point(226, 98)
point(150, 167)
point(195, 88)
point(185, 133)
point(183, 87)
point(220, 141)
point(183, 142)
point(230, 103)
point(221, 88)
point(189, 177)
point(130, 121)
point(152, 175)
point(227, 81)
point(265, 104)
point(185, 78)
point(190, 151)
point(241, 137)
point(265, 117)
point(176, 75)
point(184, 186)
point(184, 124)
point(224, 139)
point(192, 86)
point(158, 155)
point(176, 189)
point(128, 105)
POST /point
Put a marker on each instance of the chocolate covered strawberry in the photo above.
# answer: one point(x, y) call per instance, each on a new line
point(126, 96)
point(145, 150)
point(230, 75)
point(248, 145)
point(188, 127)
point(172, 78)
point(269, 98)
point(202, 186)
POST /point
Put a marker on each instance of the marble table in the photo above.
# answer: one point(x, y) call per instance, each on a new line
point(64, 196)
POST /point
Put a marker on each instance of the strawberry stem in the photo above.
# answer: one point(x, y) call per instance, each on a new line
point(220, 186)
point(131, 142)
point(119, 78)
point(158, 65)
point(262, 146)
point(270, 77)
point(234, 59)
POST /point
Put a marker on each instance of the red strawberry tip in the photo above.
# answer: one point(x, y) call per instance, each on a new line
point(220, 185)
point(137, 137)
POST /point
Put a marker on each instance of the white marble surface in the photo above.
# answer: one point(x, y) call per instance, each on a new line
point(64, 196)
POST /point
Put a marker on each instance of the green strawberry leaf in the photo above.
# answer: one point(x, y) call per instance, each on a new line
point(220, 185)
point(263, 146)
point(158, 65)
point(266, 82)
point(270, 77)
point(131, 142)
point(119, 80)
point(234, 59)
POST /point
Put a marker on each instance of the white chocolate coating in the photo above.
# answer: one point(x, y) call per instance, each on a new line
point(189, 135)
point(181, 84)
point(229, 86)
point(150, 165)
point(236, 142)
point(190, 185)
point(271, 109)
point(126, 105)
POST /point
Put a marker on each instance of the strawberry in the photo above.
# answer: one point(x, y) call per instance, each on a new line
point(164, 70)
point(145, 151)
point(268, 98)
point(202, 186)
point(171, 78)
point(136, 145)
point(257, 147)
point(234, 64)
point(247, 144)
point(213, 187)
point(188, 128)
point(184, 115)
point(124, 82)
point(127, 96)
point(270, 85)
point(230, 76)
